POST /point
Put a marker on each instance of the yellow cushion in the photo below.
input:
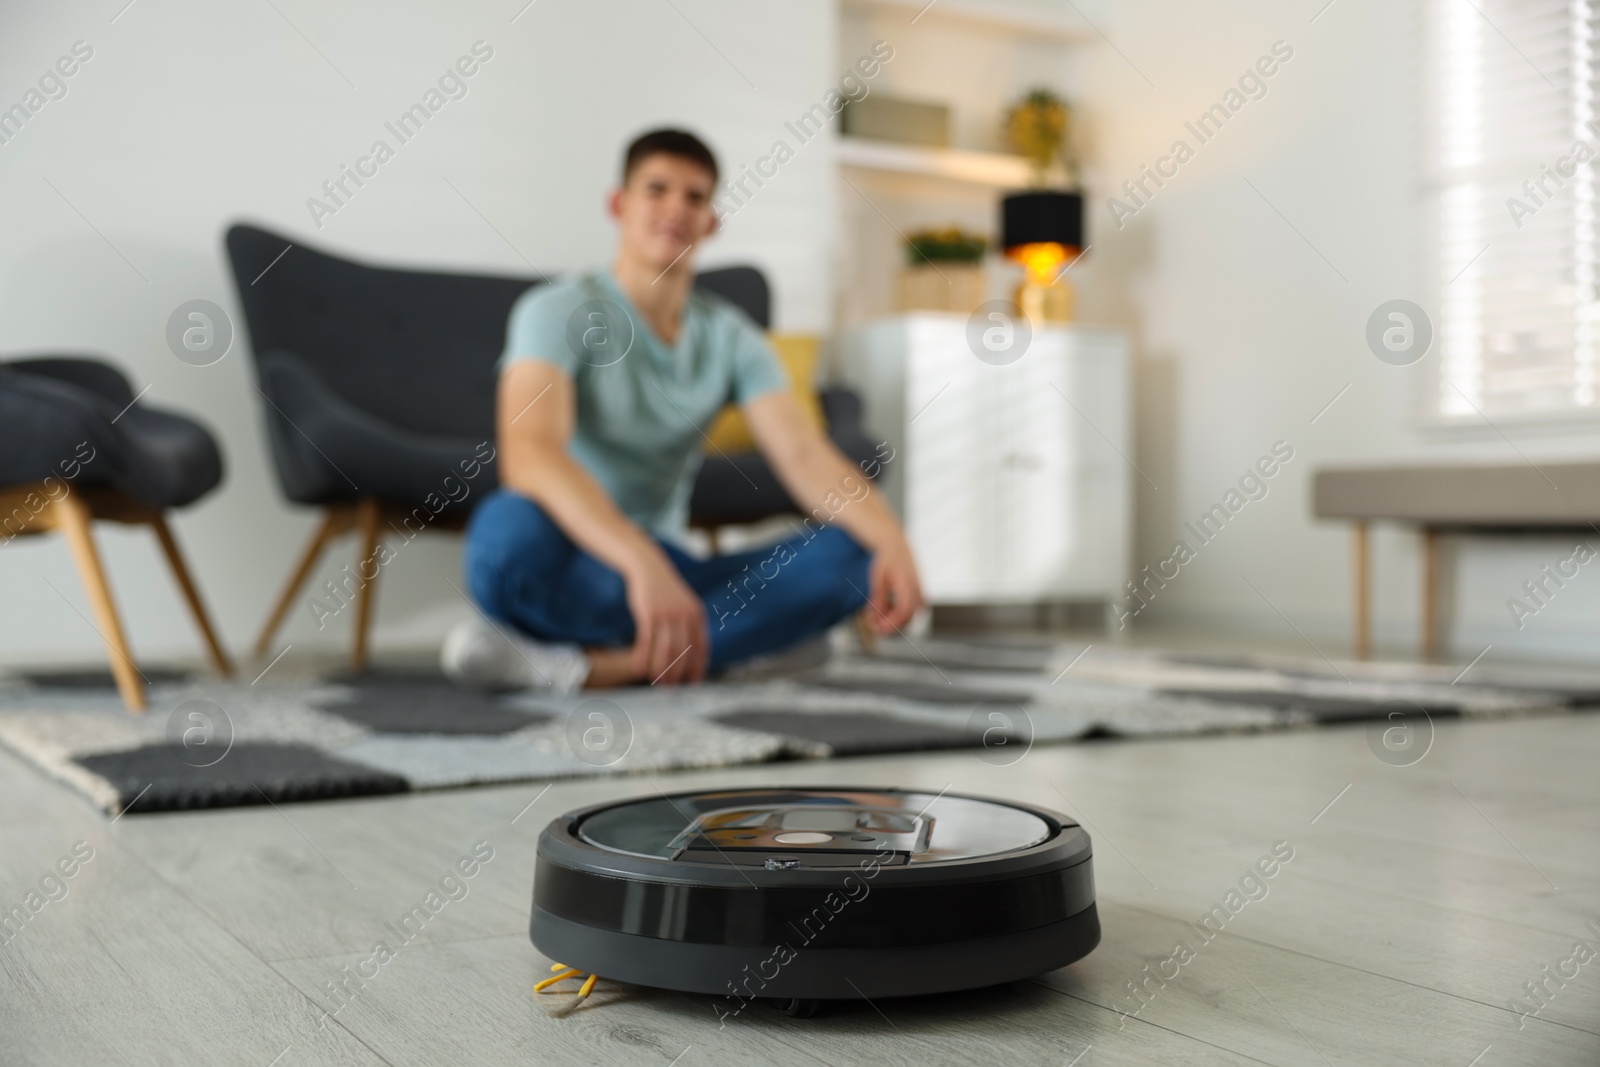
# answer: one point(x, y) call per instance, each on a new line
point(798, 354)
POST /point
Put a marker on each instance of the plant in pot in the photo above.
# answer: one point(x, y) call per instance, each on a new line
point(943, 272)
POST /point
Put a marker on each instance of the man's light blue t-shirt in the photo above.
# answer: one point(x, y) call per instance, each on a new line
point(642, 407)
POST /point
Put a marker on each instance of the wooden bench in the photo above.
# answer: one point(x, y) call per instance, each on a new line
point(1522, 498)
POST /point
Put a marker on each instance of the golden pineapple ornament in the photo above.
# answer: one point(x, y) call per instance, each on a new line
point(1036, 129)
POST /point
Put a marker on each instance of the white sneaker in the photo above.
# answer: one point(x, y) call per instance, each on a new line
point(482, 656)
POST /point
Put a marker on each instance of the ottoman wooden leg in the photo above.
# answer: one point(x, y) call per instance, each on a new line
point(1363, 586)
point(1430, 593)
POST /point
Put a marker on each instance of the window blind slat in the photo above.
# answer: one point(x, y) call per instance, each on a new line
point(1515, 83)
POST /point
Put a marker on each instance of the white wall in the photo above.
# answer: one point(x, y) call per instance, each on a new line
point(1244, 332)
point(190, 115)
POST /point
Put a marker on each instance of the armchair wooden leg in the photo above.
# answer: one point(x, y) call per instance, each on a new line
point(180, 571)
point(1430, 593)
point(1363, 587)
point(369, 515)
point(73, 516)
point(335, 521)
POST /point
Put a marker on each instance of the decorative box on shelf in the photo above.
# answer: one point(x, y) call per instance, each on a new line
point(1009, 472)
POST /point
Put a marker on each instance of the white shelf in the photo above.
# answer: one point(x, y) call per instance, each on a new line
point(979, 168)
point(1052, 19)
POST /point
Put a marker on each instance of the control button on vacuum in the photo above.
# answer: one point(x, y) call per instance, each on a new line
point(802, 837)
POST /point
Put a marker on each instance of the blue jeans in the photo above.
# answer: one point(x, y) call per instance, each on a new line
point(523, 570)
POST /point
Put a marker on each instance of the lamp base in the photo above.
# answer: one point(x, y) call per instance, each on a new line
point(1046, 303)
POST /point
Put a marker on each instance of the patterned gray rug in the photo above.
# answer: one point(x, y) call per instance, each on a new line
point(208, 743)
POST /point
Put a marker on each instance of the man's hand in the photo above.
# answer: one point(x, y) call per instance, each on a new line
point(896, 592)
point(815, 472)
point(672, 642)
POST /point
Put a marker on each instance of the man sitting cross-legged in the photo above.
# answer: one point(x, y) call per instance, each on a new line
point(607, 385)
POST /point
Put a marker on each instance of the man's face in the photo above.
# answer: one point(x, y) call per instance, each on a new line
point(664, 208)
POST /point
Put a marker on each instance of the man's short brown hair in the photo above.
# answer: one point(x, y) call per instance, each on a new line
point(679, 143)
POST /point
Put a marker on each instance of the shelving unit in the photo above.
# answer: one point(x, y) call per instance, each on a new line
point(978, 57)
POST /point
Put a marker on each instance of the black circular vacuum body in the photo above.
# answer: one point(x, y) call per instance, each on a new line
point(814, 893)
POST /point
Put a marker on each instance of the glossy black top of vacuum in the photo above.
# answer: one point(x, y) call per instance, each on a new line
point(814, 893)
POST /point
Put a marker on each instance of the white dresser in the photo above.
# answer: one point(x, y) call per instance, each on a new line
point(1010, 477)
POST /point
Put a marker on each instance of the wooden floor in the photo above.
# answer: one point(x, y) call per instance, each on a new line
point(1419, 901)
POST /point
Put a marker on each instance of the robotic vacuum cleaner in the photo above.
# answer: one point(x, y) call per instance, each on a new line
point(804, 895)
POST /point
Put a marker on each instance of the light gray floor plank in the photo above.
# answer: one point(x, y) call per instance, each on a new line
point(484, 989)
point(25, 800)
point(314, 879)
point(1286, 1008)
point(1507, 889)
point(1361, 923)
point(124, 969)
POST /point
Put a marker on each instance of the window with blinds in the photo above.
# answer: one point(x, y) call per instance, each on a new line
point(1516, 139)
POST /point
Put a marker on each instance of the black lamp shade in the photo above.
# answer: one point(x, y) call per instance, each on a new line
point(1041, 217)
